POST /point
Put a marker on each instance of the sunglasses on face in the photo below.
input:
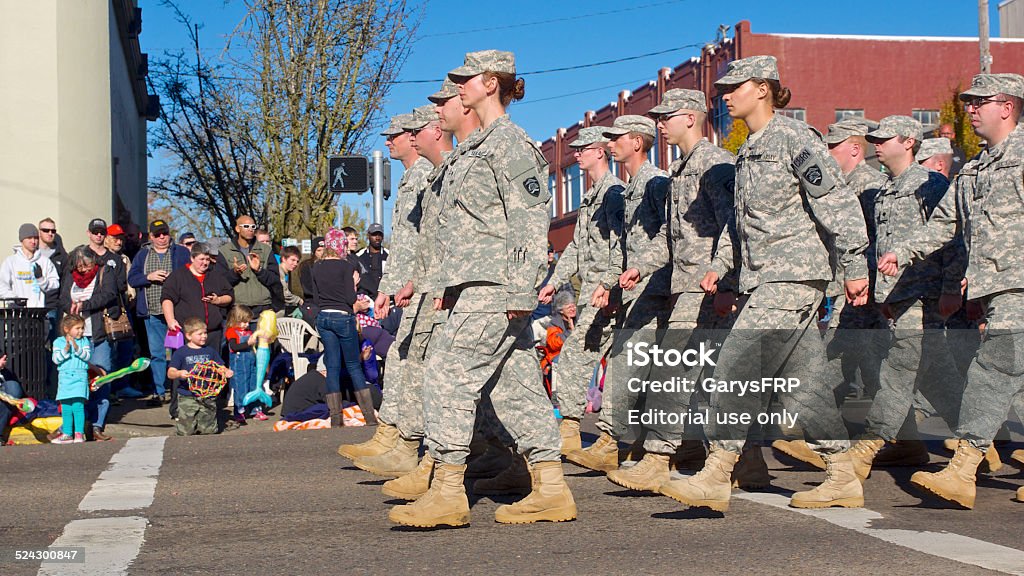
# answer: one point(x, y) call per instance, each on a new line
point(48, 230)
point(247, 226)
point(159, 234)
point(98, 232)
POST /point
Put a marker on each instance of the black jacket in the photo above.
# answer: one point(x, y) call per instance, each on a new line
point(186, 293)
point(104, 299)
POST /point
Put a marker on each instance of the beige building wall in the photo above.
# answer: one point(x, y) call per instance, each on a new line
point(70, 132)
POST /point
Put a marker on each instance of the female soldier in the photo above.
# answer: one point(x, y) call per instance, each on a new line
point(791, 211)
point(496, 205)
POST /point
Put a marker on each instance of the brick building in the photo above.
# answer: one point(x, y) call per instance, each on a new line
point(830, 76)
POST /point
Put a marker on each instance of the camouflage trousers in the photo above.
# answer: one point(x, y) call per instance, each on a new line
point(402, 406)
point(775, 335)
point(856, 340)
point(644, 320)
point(479, 351)
point(918, 358)
point(581, 352)
point(693, 321)
point(196, 416)
point(996, 375)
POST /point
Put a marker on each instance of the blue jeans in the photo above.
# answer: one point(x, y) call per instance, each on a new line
point(99, 401)
point(341, 343)
point(156, 331)
point(243, 364)
point(13, 388)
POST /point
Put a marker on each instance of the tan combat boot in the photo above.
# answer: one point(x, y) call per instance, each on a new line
point(398, 461)
point(751, 471)
point(902, 453)
point(1018, 455)
point(648, 474)
point(602, 455)
point(690, 455)
point(840, 488)
point(492, 462)
point(955, 482)
point(569, 430)
point(862, 454)
point(635, 452)
point(382, 441)
point(950, 444)
point(709, 488)
point(549, 501)
point(412, 485)
point(445, 503)
point(800, 450)
point(515, 479)
point(1020, 494)
point(992, 462)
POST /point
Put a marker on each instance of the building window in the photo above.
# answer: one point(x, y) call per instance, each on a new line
point(720, 119)
point(552, 183)
point(794, 113)
point(926, 117)
point(613, 165)
point(652, 154)
point(572, 188)
point(844, 113)
point(675, 152)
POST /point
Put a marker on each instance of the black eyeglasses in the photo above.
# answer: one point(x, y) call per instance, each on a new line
point(48, 230)
point(975, 103)
point(188, 244)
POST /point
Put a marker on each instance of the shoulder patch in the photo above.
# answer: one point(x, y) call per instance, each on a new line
point(813, 174)
point(523, 175)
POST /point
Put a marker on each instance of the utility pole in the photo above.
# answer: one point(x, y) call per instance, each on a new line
point(986, 56)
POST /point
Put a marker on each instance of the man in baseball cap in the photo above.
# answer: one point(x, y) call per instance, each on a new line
point(897, 126)
point(159, 227)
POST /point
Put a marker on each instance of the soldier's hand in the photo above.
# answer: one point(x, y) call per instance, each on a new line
point(963, 286)
point(600, 297)
point(544, 297)
point(438, 304)
point(949, 304)
point(709, 284)
point(888, 265)
point(629, 279)
point(381, 305)
point(404, 296)
point(857, 291)
point(513, 314)
point(725, 303)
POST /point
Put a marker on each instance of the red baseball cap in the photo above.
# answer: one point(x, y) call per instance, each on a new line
point(115, 230)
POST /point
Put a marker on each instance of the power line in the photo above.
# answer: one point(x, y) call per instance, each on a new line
point(567, 95)
point(552, 20)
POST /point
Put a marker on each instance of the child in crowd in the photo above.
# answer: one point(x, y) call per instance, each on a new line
point(71, 353)
point(243, 360)
point(195, 415)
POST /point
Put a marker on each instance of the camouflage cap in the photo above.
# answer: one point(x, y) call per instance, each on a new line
point(988, 85)
point(848, 127)
point(680, 99)
point(588, 136)
point(397, 125)
point(485, 61)
point(933, 146)
point(630, 123)
point(740, 71)
point(448, 90)
point(893, 126)
point(421, 116)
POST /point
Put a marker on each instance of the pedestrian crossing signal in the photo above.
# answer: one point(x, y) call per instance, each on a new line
point(348, 174)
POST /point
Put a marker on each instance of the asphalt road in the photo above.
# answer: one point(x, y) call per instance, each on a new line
point(255, 502)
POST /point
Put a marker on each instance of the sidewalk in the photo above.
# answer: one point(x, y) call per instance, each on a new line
point(134, 419)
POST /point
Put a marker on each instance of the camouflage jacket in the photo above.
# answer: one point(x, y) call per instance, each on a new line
point(401, 267)
point(990, 198)
point(865, 182)
point(700, 207)
point(494, 215)
point(594, 240)
point(425, 214)
point(792, 210)
point(644, 242)
point(904, 206)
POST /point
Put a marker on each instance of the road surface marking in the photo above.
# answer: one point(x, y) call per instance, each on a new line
point(130, 483)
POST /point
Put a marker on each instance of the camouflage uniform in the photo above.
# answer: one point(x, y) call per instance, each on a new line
point(990, 189)
point(494, 268)
point(700, 206)
point(598, 231)
point(646, 308)
point(790, 197)
point(907, 206)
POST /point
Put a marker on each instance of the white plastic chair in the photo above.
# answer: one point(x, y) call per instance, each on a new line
point(292, 334)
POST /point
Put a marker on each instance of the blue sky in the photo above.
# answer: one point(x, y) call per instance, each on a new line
point(554, 34)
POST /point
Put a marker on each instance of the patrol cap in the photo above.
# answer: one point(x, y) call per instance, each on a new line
point(893, 126)
point(933, 147)
point(588, 136)
point(848, 127)
point(988, 85)
point(739, 71)
point(448, 90)
point(421, 116)
point(396, 126)
point(630, 123)
point(477, 63)
point(680, 99)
